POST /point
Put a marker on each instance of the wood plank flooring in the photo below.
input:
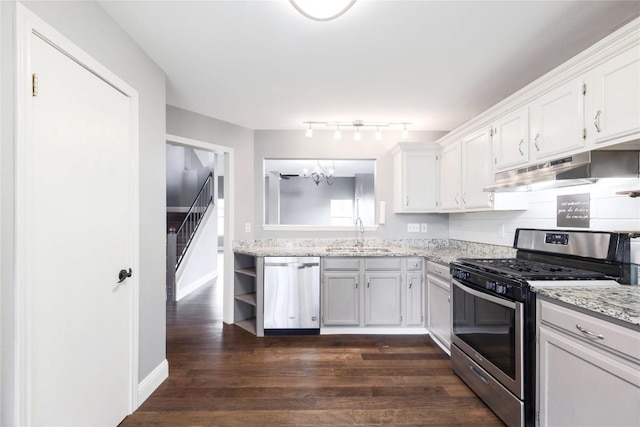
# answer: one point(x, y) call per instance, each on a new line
point(221, 375)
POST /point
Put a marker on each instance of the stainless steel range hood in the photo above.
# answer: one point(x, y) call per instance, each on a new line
point(577, 169)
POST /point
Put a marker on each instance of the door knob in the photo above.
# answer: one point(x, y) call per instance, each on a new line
point(123, 274)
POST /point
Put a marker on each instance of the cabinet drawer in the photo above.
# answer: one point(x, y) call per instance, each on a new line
point(414, 264)
point(341, 264)
point(600, 332)
point(384, 263)
point(438, 269)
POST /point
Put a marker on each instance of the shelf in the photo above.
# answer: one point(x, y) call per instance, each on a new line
point(247, 271)
point(249, 298)
point(248, 325)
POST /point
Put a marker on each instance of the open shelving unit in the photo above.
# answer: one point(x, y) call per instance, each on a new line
point(247, 293)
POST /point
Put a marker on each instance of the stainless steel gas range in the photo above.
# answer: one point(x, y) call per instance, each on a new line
point(493, 309)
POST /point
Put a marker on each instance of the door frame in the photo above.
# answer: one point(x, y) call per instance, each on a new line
point(229, 222)
point(27, 24)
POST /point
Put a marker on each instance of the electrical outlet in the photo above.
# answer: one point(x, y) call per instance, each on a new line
point(247, 227)
point(501, 231)
point(413, 228)
point(423, 227)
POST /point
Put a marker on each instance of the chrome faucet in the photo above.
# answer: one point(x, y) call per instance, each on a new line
point(359, 232)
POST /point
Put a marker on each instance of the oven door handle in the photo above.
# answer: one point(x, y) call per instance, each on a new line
point(496, 300)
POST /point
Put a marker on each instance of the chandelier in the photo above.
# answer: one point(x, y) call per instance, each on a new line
point(318, 174)
point(357, 125)
point(322, 10)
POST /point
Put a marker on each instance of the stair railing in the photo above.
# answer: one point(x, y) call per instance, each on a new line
point(184, 234)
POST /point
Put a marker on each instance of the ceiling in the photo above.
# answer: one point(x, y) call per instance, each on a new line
point(262, 65)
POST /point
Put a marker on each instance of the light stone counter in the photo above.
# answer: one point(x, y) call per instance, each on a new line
point(619, 302)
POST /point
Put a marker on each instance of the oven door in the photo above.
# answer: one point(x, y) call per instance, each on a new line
point(489, 330)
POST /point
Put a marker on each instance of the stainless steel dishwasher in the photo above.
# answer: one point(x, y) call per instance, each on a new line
point(291, 295)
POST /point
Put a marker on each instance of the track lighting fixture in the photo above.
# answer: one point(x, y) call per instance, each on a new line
point(358, 124)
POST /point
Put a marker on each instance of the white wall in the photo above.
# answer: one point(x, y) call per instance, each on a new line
point(200, 264)
point(293, 144)
point(609, 212)
point(87, 25)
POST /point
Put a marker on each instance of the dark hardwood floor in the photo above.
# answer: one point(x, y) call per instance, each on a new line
point(221, 375)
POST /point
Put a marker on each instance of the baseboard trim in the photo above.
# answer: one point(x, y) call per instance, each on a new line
point(339, 330)
point(152, 381)
point(183, 292)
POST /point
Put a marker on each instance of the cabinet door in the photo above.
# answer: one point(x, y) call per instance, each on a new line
point(477, 170)
point(415, 285)
point(419, 181)
point(450, 177)
point(557, 121)
point(341, 298)
point(510, 139)
point(383, 294)
point(439, 311)
point(580, 386)
point(615, 96)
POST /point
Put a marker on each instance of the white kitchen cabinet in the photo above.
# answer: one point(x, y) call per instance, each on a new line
point(341, 298)
point(557, 121)
point(374, 292)
point(383, 296)
point(614, 100)
point(439, 304)
point(415, 178)
point(589, 378)
point(510, 139)
point(415, 290)
point(451, 177)
point(477, 170)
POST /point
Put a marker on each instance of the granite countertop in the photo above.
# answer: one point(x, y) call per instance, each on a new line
point(621, 302)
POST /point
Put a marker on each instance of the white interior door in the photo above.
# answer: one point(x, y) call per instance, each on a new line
point(77, 236)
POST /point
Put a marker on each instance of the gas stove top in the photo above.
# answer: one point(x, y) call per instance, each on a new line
point(531, 270)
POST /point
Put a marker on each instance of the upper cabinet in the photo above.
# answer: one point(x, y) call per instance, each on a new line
point(510, 138)
point(591, 101)
point(415, 169)
point(466, 169)
point(614, 95)
point(557, 121)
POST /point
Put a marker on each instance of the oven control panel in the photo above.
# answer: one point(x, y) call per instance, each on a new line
point(556, 238)
point(490, 283)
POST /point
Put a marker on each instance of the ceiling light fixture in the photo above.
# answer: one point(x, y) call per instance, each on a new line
point(325, 10)
point(318, 174)
point(358, 125)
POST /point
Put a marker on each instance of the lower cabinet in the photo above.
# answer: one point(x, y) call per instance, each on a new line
point(439, 304)
point(372, 292)
point(382, 299)
point(588, 370)
point(341, 298)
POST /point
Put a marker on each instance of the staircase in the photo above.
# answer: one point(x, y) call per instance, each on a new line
point(182, 228)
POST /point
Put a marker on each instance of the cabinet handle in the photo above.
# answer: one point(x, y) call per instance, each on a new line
point(535, 142)
point(520, 147)
point(588, 332)
point(407, 201)
point(463, 199)
point(356, 282)
point(368, 284)
point(596, 121)
point(448, 298)
point(410, 283)
point(456, 199)
point(491, 197)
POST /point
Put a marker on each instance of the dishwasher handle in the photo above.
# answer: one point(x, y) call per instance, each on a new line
point(292, 264)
